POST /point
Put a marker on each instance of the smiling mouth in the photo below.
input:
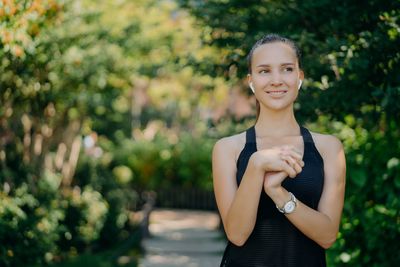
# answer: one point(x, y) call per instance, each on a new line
point(277, 92)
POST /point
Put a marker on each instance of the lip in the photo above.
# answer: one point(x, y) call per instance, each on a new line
point(276, 94)
point(276, 91)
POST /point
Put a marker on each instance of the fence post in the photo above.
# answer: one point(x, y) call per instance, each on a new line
point(150, 199)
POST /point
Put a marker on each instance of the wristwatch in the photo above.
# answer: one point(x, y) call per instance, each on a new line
point(289, 206)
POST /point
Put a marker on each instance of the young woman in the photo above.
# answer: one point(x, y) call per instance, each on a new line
point(279, 187)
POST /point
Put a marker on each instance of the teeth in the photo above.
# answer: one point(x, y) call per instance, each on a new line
point(276, 92)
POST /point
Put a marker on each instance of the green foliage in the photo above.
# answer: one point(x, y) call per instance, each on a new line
point(84, 217)
point(36, 227)
point(352, 89)
point(98, 260)
point(29, 228)
point(166, 160)
point(103, 70)
point(120, 199)
point(350, 49)
point(47, 88)
point(371, 211)
point(112, 70)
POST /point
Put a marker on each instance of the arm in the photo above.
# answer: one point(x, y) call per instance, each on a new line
point(238, 205)
point(322, 225)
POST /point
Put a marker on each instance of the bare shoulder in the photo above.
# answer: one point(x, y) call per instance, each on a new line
point(230, 145)
point(327, 144)
point(331, 150)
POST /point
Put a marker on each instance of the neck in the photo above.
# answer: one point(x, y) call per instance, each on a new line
point(276, 123)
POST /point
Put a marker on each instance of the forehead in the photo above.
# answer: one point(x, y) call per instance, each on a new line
point(274, 53)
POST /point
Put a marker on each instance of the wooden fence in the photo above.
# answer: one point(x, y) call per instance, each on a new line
point(185, 198)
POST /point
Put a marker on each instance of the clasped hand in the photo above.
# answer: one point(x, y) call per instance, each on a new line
point(277, 163)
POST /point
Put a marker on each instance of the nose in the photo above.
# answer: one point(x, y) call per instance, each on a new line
point(276, 79)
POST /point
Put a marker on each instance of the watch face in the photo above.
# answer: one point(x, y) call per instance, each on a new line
point(289, 207)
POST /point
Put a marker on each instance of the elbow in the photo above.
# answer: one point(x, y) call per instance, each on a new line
point(237, 233)
point(235, 236)
point(236, 239)
point(327, 243)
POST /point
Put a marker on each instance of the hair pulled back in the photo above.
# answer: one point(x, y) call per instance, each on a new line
point(267, 39)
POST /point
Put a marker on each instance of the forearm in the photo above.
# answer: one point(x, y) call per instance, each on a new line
point(312, 223)
point(242, 214)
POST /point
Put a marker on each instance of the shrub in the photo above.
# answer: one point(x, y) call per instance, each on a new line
point(29, 229)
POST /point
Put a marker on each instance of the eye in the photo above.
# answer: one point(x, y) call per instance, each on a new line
point(288, 69)
point(263, 71)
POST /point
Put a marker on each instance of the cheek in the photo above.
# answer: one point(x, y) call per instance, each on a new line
point(292, 80)
point(261, 79)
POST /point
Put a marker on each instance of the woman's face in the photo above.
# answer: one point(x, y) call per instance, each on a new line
point(275, 75)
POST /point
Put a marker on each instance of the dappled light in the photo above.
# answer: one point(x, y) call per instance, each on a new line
point(109, 112)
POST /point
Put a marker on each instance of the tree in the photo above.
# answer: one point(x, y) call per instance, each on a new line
point(82, 84)
point(352, 89)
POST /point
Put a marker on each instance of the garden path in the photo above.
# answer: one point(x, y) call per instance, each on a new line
point(183, 238)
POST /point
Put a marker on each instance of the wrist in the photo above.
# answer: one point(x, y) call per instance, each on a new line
point(279, 195)
point(289, 206)
point(258, 162)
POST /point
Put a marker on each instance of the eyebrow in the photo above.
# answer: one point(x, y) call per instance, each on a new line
point(267, 65)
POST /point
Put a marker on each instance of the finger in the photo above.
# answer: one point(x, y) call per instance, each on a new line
point(289, 170)
point(269, 172)
point(292, 173)
point(296, 166)
point(292, 153)
point(293, 161)
point(296, 154)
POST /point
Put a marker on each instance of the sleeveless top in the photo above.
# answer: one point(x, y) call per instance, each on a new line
point(275, 241)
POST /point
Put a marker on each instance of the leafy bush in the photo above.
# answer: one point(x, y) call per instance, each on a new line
point(370, 225)
point(29, 229)
point(167, 160)
point(118, 194)
point(85, 213)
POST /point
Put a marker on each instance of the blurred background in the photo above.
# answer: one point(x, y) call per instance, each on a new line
point(110, 109)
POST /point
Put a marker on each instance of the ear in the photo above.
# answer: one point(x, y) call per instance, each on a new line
point(301, 75)
point(249, 78)
point(250, 82)
point(301, 78)
point(299, 86)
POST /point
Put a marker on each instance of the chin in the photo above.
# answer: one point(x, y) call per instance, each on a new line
point(277, 106)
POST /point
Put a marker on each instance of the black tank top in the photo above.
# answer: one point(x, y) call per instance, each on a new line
point(275, 241)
